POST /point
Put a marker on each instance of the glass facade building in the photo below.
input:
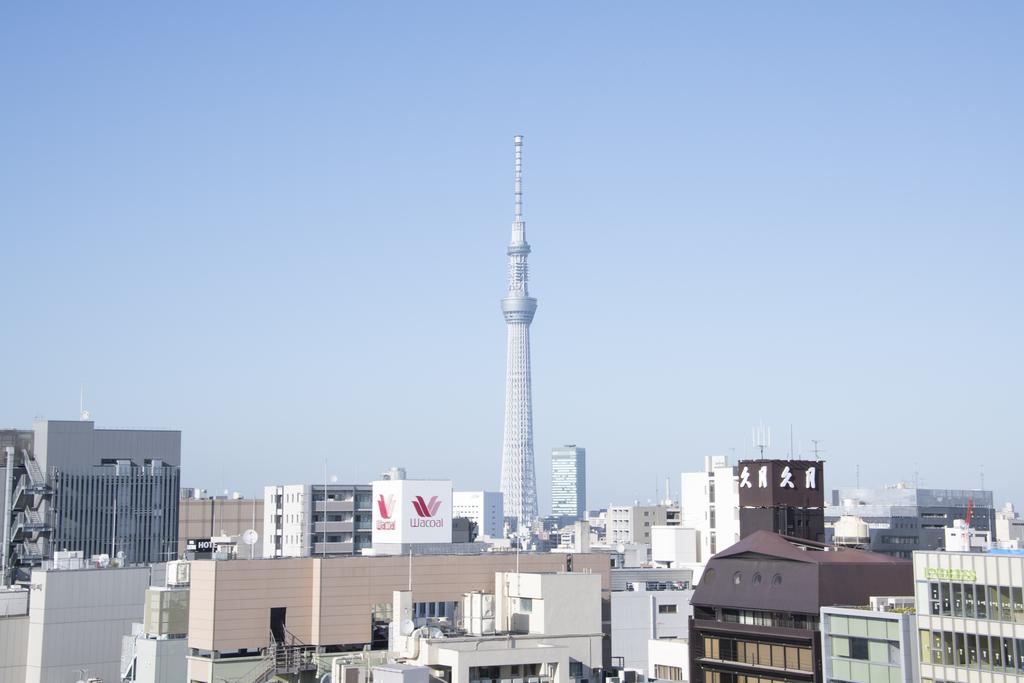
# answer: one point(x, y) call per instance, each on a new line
point(970, 615)
point(569, 482)
point(866, 646)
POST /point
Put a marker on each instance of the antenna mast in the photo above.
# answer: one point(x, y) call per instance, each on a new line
point(762, 438)
point(519, 179)
point(817, 451)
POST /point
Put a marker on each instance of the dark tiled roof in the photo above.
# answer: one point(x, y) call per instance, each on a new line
point(766, 571)
point(768, 544)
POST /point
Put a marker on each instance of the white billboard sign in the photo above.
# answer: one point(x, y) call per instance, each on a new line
point(412, 511)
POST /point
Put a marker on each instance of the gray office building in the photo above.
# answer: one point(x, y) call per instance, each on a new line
point(70, 486)
point(569, 482)
point(902, 519)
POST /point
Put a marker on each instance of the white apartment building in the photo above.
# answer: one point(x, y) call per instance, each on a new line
point(632, 523)
point(711, 505)
point(1009, 527)
point(970, 616)
point(303, 520)
point(641, 614)
point(484, 508)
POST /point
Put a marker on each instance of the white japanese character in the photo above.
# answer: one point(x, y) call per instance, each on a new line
point(787, 479)
point(762, 477)
point(745, 478)
point(810, 478)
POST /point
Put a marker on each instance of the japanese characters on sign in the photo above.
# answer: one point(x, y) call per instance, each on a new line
point(770, 483)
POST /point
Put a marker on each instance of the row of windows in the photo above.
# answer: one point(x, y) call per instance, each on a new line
point(883, 629)
point(999, 603)
point(668, 673)
point(772, 619)
point(759, 654)
point(855, 671)
point(972, 650)
point(900, 540)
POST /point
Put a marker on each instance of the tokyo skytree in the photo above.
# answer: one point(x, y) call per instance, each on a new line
point(518, 482)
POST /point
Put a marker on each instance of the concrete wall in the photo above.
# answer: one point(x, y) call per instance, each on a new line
point(77, 619)
point(637, 617)
point(75, 446)
point(330, 601)
point(160, 661)
point(13, 648)
point(674, 545)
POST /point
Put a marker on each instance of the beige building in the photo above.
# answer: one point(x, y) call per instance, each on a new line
point(203, 518)
point(632, 523)
point(329, 604)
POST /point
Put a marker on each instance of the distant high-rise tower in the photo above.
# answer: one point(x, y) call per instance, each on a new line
point(518, 482)
point(569, 481)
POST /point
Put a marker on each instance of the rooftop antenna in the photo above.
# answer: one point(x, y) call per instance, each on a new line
point(790, 440)
point(858, 475)
point(817, 451)
point(519, 180)
point(762, 438)
point(982, 472)
point(83, 414)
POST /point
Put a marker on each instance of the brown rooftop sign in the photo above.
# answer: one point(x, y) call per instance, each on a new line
point(781, 483)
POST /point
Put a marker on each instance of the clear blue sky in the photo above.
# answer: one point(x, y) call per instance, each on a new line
point(280, 228)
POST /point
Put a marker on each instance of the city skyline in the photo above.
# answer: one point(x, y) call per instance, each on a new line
point(289, 254)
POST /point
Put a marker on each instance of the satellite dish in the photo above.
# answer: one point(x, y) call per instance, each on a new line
point(621, 547)
point(120, 554)
point(249, 537)
point(407, 627)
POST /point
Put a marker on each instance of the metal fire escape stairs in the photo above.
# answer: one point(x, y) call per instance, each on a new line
point(31, 526)
point(287, 658)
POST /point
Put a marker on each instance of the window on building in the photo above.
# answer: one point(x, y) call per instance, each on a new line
point(526, 605)
point(575, 668)
point(858, 648)
point(666, 609)
point(668, 673)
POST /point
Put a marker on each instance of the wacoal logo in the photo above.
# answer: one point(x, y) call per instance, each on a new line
point(386, 507)
point(424, 508)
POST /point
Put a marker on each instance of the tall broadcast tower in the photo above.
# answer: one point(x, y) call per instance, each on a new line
point(518, 483)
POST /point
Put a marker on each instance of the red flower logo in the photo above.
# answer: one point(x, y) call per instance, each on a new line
point(385, 507)
point(425, 508)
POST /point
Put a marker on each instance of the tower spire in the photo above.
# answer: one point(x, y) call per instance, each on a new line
point(519, 178)
point(518, 224)
point(518, 481)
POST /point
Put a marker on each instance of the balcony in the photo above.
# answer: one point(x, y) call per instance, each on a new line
point(332, 548)
point(334, 505)
point(333, 527)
